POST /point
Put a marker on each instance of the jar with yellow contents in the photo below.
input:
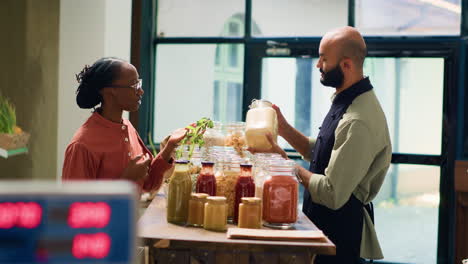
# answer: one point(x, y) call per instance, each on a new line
point(180, 187)
point(215, 218)
point(250, 213)
point(196, 209)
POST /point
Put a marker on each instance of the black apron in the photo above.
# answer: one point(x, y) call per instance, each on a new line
point(342, 226)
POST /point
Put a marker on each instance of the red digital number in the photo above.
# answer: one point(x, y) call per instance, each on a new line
point(21, 214)
point(88, 215)
point(91, 246)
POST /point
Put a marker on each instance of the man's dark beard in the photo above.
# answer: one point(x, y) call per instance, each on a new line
point(333, 78)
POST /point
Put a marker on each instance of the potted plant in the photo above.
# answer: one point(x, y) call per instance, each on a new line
point(11, 135)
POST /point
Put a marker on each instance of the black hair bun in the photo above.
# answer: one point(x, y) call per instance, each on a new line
point(95, 77)
point(87, 96)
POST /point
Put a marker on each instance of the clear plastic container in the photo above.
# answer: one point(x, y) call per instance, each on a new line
point(280, 195)
point(261, 119)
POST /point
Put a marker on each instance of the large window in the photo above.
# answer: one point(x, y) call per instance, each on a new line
point(294, 85)
point(212, 57)
point(302, 18)
point(195, 18)
point(192, 85)
point(408, 17)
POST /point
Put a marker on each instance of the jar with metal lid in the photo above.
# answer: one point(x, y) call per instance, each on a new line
point(196, 209)
point(260, 120)
point(280, 195)
point(250, 213)
point(180, 188)
point(215, 217)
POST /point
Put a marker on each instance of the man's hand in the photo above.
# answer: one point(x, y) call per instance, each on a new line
point(137, 168)
point(274, 147)
point(303, 175)
point(283, 124)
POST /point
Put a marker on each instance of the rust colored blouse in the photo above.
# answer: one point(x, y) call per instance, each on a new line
point(101, 150)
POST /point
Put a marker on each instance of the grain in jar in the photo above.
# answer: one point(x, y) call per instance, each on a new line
point(226, 184)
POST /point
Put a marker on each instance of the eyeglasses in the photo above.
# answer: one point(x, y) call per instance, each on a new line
point(137, 86)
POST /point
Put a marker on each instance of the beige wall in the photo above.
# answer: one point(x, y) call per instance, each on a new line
point(29, 76)
point(89, 30)
point(44, 43)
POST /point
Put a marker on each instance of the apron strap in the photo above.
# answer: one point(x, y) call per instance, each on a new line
point(370, 210)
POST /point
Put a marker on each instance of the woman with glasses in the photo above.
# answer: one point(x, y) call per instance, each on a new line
point(107, 146)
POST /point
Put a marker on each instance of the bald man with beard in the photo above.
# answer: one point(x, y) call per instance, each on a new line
point(351, 155)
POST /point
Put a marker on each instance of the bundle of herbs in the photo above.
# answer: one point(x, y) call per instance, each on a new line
point(194, 136)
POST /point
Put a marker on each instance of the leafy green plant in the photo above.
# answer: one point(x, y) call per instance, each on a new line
point(7, 116)
point(194, 136)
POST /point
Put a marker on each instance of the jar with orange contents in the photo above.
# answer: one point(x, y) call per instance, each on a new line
point(280, 195)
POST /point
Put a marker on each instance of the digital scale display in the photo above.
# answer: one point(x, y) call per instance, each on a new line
point(69, 223)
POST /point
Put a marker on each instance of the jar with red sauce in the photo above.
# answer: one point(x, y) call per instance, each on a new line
point(206, 181)
point(245, 187)
point(280, 195)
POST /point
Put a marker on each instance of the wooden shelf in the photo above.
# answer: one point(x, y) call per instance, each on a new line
point(12, 152)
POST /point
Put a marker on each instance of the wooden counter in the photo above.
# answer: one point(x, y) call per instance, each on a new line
point(169, 243)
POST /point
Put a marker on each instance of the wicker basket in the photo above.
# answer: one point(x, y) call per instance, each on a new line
point(14, 141)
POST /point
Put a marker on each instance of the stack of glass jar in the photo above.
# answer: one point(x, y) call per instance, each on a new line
point(218, 180)
point(230, 185)
point(195, 209)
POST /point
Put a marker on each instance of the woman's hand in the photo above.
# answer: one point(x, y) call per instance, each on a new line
point(137, 168)
point(171, 143)
point(275, 148)
point(177, 136)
